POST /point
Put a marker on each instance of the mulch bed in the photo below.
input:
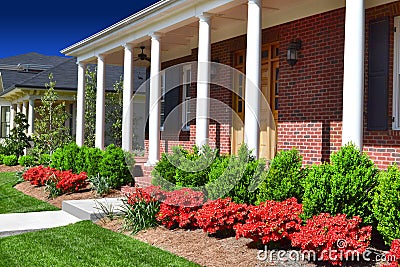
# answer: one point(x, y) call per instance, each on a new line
point(195, 246)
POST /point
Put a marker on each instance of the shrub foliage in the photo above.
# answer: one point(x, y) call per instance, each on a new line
point(346, 185)
point(386, 204)
point(284, 177)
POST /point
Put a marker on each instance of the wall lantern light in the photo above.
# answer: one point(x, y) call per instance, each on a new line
point(293, 52)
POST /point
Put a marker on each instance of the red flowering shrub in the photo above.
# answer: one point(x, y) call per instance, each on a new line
point(271, 221)
point(221, 215)
point(178, 208)
point(70, 182)
point(57, 182)
point(39, 175)
point(393, 257)
point(148, 194)
point(333, 238)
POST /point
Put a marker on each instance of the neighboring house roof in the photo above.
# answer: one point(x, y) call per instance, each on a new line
point(64, 70)
point(14, 69)
point(33, 58)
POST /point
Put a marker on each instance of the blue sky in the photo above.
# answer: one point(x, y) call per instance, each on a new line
point(46, 27)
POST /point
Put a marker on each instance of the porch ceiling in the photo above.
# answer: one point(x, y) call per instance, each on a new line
point(227, 21)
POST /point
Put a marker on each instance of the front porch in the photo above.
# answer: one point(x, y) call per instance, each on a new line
point(235, 34)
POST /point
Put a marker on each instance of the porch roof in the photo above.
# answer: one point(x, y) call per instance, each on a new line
point(177, 20)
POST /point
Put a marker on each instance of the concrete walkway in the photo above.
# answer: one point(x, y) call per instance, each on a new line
point(73, 211)
point(16, 223)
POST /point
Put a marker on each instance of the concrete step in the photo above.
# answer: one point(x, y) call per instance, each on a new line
point(17, 223)
point(93, 209)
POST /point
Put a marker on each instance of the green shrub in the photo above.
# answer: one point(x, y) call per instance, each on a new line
point(10, 160)
point(44, 159)
point(27, 161)
point(284, 178)
point(346, 185)
point(1, 158)
point(193, 167)
point(184, 168)
point(114, 166)
point(88, 160)
point(239, 179)
point(64, 158)
point(386, 204)
point(163, 173)
point(18, 141)
point(101, 184)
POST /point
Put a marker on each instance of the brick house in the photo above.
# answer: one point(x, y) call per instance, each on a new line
point(342, 85)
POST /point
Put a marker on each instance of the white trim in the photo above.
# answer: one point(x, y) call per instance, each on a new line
point(186, 81)
point(396, 72)
point(162, 99)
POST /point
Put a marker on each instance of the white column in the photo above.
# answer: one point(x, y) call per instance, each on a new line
point(127, 109)
point(253, 76)
point(12, 116)
point(100, 102)
point(19, 107)
point(25, 108)
point(203, 81)
point(154, 107)
point(353, 79)
point(80, 105)
point(31, 116)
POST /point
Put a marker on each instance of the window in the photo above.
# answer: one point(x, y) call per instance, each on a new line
point(162, 100)
point(396, 76)
point(5, 122)
point(186, 90)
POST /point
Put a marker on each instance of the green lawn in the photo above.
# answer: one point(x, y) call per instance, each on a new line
point(82, 244)
point(12, 200)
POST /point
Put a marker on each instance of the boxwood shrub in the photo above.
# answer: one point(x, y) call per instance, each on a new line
point(113, 165)
point(346, 185)
point(10, 160)
point(236, 177)
point(386, 204)
point(284, 178)
point(64, 158)
point(27, 161)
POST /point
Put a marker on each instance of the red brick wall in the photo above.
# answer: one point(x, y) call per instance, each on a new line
point(382, 146)
point(310, 97)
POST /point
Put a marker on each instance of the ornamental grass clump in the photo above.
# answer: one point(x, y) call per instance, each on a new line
point(139, 210)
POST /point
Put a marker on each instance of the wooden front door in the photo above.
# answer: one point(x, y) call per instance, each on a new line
point(238, 102)
point(270, 90)
point(268, 107)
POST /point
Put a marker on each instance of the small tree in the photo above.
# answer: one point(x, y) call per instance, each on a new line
point(50, 130)
point(114, 111)
point(90, 107)
point(18, 140)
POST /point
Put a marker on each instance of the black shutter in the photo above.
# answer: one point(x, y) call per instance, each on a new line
point(378, 74)
point(172, 86)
